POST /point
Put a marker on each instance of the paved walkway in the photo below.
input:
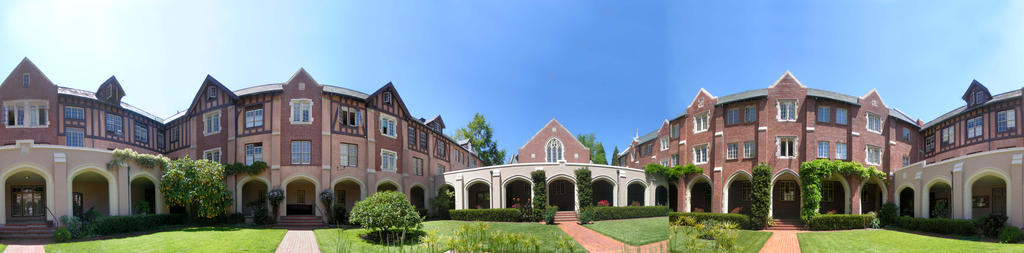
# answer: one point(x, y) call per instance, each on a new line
point(782, 241)
point(298, 241)
point(596, 242)
point(24, 249)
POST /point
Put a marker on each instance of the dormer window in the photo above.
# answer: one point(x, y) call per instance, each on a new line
point(387, 97)
point(979, 97)
point(211, 92)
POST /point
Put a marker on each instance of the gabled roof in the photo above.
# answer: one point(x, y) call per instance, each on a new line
point(997, 98)
point(436, 119)
point(975, 86)
point(110, 91)
point(559, 125)
point(649, 136)
point(91, 95)
point(209, 80)
point(896, 113)
point(397, 98)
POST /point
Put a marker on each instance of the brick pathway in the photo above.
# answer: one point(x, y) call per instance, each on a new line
point(298, 241)
point(596, 242)
point(24, 249)
point(782, 241)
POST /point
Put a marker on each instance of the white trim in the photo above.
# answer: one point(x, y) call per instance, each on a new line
point(112, 192)
point(778, 109)
point(206, 116)
point(382, 168)
point(291, 113)
point(380, 130)
point(553, 120)
point(784, 77)
point(220, 154)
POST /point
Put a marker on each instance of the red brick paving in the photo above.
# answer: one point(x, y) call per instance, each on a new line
point(782, 241)
point(24, 249)
point(298, 241)
point(596, 242)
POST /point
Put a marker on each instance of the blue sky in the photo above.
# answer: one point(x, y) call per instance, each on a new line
point(607, 67)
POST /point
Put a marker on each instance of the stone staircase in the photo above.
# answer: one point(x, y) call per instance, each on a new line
point(300, 222)
point(27, 230)
point(788, 224)
point(565, 217)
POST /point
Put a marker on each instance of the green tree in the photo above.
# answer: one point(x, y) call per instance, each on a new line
point(481, 135)
point(615, 154)
point(760, 195)
point(384, 211)
point(197, 185)
point(597, 155)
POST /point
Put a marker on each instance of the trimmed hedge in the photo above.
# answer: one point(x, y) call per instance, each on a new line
point(840, 221)
point(108, 225)
point(502, 214)
point(938, 225)
point(741, 220)
point(626, 212)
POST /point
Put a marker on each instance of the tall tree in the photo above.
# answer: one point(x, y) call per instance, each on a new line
point(615, 154)
point(481, 135)
point(597, 155)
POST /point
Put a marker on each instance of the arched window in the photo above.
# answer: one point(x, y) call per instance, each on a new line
point(554, 151)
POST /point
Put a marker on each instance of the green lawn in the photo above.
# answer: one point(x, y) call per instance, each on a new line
point(893, 241)
point(337, 240)
point(749, 241)
point(634, 232)
point(205, 239)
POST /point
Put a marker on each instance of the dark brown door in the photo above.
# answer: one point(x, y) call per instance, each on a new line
point(786, 200)
point(561, 194)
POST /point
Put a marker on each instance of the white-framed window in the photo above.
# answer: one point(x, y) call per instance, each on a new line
point(749, 149)
point(253, 153)
point(823, 150)
point(975, 126)
point(823, 114)
point(212, 155)
point(732, 151)
point(874, 123)
point(387, 97)
point(141, 132)
point(1006, 120)
point(418, 163)
point(749, 113)
point(74, 137)
point(929, 143)
point(554, 151)
point(211, 92)
point(786, 147)
point(254, 117)
point(388, 125)
point(841, 116)
point(700, 154)
point(787, 109)
point(302, 111)
point(349, 155)
point(906, 160)
point(26, 113)
point(301, 151)
point(675, 131)
point(388, 160)
point(211, 123)
point(874, 155)
point(700, 122)
point(349, 116)
point(114, 124)
point(948, 135)
point(664, 143)
point(840, 151)
point(732, 116)
point(75, 113)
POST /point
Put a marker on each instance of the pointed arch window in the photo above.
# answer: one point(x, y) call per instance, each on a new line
point(554, 151)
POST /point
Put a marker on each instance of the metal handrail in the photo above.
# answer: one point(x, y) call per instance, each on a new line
point(56, 220)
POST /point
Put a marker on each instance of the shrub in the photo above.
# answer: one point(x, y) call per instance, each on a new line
point(938, 225)
point(340, 215)
point(584, 192)
point(384, 211)
point(142, 207)
point(259, 213)
point(887, 216)
point(549, 214)
point(108, 225)
point(840, 221)
point(586, 215)
point(275, 197)
point(1010, 234)
point(540, 195)
point(443, 202)
point(740, 220)
point(74, 226)
point(197, 185)
point(502, 214)
point(62, 234)
point(603, 203)
point(760, 196)
point(992, 224)
point(626, 212)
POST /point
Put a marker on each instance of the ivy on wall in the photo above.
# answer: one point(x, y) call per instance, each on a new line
point(539, 192)
point(672, 173)
point(760, 195)
point(236, 168)
point(812, 172)
point(585, 193)
point(123, 156)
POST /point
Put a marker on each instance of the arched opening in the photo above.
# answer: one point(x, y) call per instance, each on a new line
point(739, 194)
point(479, 195)
point(553, 151)
point(300, 197)
point(988, 196)
point(786, 197)
point(446, 190)
point(387, 186)
point(27, 191)
point(871, 197)
point(700, 197)
point(254, 192)
point(833, 197)
point(562, 193)
point(635, 194)
point(346, 193)
point(907, 202)
point(143, 196)
point(673, 197)
point(90, 191)
point(417, 197)
point(661, 196)
point(603, 191)
point(939, 204)
point(517, 193)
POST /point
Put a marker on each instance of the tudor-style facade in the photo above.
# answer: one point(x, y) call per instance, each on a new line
point(314, 137)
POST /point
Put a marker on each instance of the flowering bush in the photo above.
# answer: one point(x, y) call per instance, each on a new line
point(603, 203)
point(275, 197)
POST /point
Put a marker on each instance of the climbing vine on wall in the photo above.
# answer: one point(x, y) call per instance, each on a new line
point(812, 172)
point(123, 156)
point(672, 173)
point(539, 192)
point(585, 192)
